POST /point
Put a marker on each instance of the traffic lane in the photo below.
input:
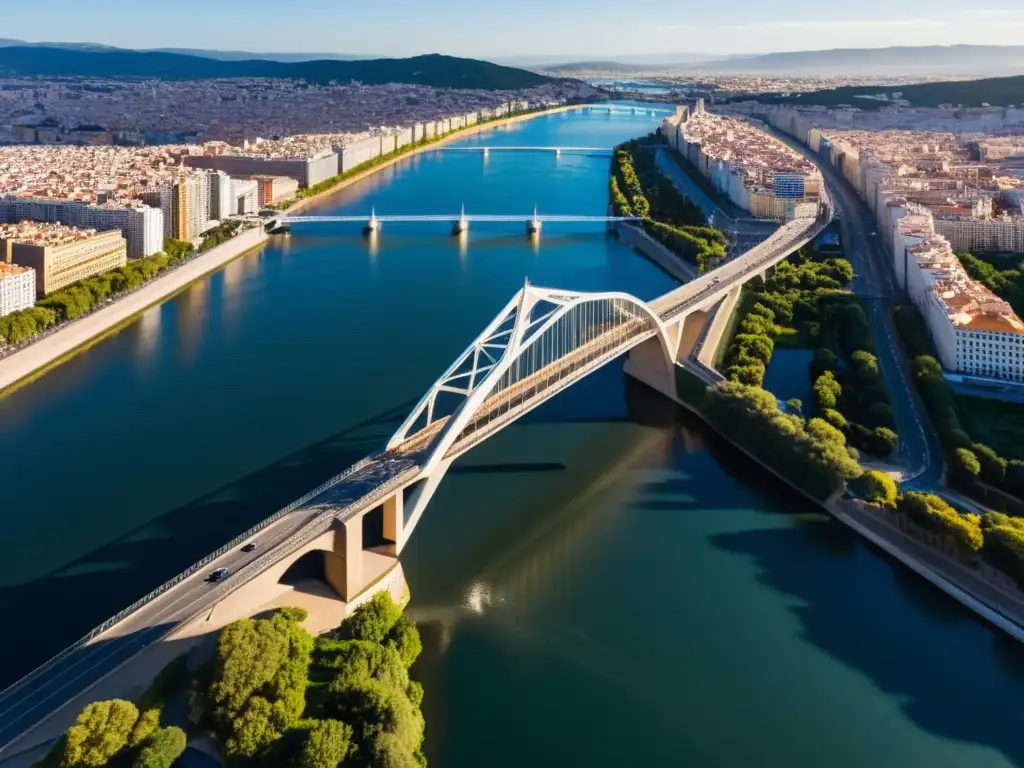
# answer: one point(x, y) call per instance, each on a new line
point(73, 674)
point(40, 701)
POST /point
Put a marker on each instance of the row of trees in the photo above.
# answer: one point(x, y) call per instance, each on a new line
point(810, 293)
point(75, 300)
point(638, 188)
point(998, 538)
point(969, 461)
point(812, 455)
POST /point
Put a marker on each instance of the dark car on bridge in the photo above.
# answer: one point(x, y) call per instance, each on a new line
point(217, 575)
point(249, 547)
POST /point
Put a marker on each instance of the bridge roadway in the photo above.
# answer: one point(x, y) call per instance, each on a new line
point(486, 149)
point(486, 218)
point(355, 491)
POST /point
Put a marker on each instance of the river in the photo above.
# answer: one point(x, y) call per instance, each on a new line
point(601, 584)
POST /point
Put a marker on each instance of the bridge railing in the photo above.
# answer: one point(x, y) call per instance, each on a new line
point(192, 569)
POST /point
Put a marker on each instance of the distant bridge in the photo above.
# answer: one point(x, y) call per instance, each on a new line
point(556, 150)
point(459, 222)
point(624, 110)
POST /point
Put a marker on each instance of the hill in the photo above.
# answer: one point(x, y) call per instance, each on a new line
point(995, 91)
point(931, 60)
point(6, 42)
point(434, 69)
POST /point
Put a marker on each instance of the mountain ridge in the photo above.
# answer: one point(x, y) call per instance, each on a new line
point(430, 69)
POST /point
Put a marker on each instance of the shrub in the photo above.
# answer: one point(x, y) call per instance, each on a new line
point(878, 488)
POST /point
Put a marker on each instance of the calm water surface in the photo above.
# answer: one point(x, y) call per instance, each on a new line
point(597, 585)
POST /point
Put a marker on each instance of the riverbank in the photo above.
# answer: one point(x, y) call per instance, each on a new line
point(61, 345)
point(970, 590)
point(23, 366)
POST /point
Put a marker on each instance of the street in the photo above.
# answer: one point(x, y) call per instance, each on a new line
point(920, 453)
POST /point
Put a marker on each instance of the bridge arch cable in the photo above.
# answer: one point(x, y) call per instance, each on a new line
point(542, 341)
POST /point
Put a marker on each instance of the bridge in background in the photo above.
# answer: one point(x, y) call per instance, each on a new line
point(542, 341)
point(459, 222)
point(486, 150)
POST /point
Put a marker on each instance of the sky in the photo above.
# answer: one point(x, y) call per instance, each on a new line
point(522, 28)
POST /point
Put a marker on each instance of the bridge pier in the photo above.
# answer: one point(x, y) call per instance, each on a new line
point(373, 225)
point(461, 224)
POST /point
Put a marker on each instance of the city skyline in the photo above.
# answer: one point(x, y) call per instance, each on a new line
point(531, 28)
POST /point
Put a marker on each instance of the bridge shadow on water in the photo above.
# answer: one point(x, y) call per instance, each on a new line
point(68, 602)
point(951, 674)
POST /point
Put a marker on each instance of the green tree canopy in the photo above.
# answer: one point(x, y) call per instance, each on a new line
point(326, 744)
point(101, 731)
point(163, 747)
point(372, 620)
point(878, 488)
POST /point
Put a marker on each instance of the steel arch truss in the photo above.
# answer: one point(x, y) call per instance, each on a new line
point(542, 341)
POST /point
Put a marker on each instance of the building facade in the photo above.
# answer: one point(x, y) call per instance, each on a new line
point(17, 288)
point(141, 226)
point(61, 255)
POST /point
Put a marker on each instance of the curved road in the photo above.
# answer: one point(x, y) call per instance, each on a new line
point(875, 284)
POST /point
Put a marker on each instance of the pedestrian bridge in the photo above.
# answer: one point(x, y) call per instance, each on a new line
point(542, 341)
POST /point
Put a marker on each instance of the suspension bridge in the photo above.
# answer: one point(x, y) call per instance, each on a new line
point(541, 342)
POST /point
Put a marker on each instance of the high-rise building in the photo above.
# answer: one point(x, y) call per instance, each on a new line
point(245, 194)
point(60, 254)
point(17, 288)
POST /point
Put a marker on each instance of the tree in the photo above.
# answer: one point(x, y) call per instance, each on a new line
point(144, 726)
point(389, 752)
point(755, 345)
point(931, 512)
point(404, 637)
point(326, 744)
point(885, 440)
point(824, 360)
point(834, 417)
point(101, 731)
point(795, 405)
point(161, 749)
point(964, 465)
point(826, 390)
point(878, 488)
point(372, 620)
point(373, 708)
point(993, 466)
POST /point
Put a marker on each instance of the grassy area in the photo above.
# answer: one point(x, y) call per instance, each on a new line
point(995, 423)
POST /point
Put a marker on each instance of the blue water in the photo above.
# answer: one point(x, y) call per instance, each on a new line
point(601, 584)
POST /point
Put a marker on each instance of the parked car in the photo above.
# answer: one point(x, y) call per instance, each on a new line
point(220, 573)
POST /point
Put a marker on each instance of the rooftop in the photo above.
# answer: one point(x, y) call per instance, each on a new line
point(45, 234)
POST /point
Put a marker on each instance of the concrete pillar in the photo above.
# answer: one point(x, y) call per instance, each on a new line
point(394, 520)
point(353, 557)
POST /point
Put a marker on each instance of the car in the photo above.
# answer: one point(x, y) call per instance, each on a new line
point(220, 573)
point(249, 547)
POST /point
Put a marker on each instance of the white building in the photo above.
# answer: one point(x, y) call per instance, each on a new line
point(245, 194)
point(17, 288)
point(974, 331)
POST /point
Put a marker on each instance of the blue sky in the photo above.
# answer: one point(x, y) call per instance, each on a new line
point(486, 28)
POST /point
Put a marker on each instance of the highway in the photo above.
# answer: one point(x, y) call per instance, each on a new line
point(875, 283)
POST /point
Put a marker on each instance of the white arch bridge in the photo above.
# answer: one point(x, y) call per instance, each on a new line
point(543, 341)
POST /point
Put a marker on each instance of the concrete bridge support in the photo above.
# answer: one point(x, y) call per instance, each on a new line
point(654, 361)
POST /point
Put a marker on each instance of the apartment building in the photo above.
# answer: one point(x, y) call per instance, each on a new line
point(141, 226)
point(17, 288)
point(754, 170)
point(273, 189)
point(61, 254)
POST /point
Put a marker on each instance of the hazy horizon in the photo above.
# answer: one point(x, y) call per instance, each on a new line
point(532, 28)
